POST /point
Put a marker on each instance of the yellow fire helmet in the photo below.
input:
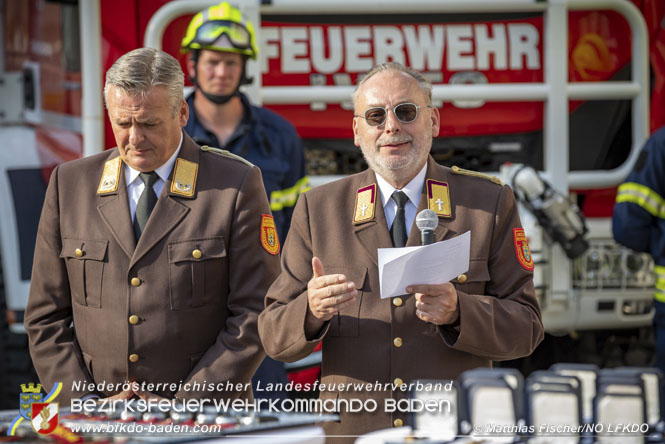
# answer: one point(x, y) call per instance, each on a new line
point(208, 28)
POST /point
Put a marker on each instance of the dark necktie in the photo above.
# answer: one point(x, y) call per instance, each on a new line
point(398, 230)
point(146, 202)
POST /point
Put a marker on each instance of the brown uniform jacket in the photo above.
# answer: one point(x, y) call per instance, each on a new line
point(196, 315)
point(499, 313)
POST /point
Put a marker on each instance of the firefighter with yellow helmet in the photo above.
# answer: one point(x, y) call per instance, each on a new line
point(220, 28)
point(220, 41)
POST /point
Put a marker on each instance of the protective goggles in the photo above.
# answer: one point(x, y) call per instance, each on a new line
point(210, 31)
point(405, 113)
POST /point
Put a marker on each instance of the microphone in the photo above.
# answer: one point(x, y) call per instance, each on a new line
point(426, 221)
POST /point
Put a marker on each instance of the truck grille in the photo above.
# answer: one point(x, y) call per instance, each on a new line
point(606, 265)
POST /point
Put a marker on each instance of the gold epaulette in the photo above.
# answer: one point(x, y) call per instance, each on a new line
point(494, 179)
point(228, 154)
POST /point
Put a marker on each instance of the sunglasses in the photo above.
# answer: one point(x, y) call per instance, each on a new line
point(211, 31)
point(405, 113)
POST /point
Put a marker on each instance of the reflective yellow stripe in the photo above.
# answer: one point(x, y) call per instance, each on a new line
point(660, 284)
point(286, 198)
point(643, 196)
point(659, 295)
point(659, 270)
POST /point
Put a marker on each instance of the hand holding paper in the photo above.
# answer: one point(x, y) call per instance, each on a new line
point(436, 303)
point(437, 263)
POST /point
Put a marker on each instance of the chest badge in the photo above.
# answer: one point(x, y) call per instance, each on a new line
point(365, 203)
point(438, 198)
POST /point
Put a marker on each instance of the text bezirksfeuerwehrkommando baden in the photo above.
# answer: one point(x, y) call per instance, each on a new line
point(333, 405)
point(228, 386)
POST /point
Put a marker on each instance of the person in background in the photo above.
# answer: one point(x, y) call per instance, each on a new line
point(220, 41)
point(638, 223)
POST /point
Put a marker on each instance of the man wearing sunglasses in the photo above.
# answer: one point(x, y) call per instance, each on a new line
point(220, 41)
point(328, 290)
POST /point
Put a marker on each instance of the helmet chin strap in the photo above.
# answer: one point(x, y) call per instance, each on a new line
point(219, 99)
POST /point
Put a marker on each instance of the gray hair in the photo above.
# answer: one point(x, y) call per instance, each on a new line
point(140, 70)
point(424, 84)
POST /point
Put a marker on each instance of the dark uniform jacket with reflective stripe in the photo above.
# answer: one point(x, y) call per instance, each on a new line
point(639, 213)
point(197, 315)
point(499, 313)
point(272, 144)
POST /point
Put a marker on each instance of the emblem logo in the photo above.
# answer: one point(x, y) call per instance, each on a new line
point(29, 394)
point(269, 238)
point(522, 249)
point(183, 186)
point(44, 417)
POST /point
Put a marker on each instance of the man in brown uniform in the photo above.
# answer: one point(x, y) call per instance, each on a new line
point(160, 290)
point(329, 286)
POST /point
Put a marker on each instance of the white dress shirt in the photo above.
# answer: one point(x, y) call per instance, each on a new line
point(135, 185)
point(412, 190)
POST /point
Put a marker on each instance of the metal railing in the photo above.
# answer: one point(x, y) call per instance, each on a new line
point(555, 91)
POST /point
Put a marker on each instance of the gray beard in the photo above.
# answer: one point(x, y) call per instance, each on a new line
point(399, 171)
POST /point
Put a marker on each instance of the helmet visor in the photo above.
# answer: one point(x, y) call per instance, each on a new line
point(210, 31)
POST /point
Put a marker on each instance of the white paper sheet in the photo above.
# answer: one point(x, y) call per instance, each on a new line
point(437, 263)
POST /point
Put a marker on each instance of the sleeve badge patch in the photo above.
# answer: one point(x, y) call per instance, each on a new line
point(522, 249)
point(269, 238)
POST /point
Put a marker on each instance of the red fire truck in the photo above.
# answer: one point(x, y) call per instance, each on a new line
point(571, 88)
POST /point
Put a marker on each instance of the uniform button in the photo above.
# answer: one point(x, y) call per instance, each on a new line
point(398, 342)
point(398, 382)
point(135, 282)
point(133, 319)
point(397, 302)
point(78, 252)
point(398, 422)
point(461, 278)
point(133, 357)
point(196, 254)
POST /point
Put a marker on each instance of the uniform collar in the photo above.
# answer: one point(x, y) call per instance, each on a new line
point(413, 189)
